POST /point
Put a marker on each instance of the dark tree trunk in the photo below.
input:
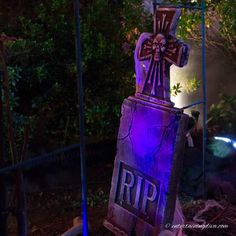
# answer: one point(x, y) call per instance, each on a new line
point(6, 93)
point(3, 189)
point(21, 205)
point(20, 194)
point(3, 207)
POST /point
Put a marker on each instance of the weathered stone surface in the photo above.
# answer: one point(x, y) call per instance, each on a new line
point(148, 162)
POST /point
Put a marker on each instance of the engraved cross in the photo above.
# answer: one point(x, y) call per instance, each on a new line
point(161, 50)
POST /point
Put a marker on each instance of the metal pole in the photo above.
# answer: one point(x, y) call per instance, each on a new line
point(81, 120)
point(204, 98)
point(2, 137)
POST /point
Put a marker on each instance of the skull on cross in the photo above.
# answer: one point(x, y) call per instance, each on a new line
point(158, 52)
point(159, 46)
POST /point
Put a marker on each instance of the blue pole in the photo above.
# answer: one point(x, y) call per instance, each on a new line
point(204, 97)
point(81, 119)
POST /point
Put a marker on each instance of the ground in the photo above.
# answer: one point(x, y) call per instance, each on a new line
point(51, 212)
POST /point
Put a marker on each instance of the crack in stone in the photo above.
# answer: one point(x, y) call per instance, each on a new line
point(165, 134)
point(130, 126)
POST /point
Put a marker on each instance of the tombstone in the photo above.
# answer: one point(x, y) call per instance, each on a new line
point(151, 137)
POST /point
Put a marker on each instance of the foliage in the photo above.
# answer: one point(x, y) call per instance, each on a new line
point(191, 85)
point(41, 62)
point(226, 17)
point(37, 68)
point(97, 198)
point(188, 85)
point(94, 199)
point(176, 89)
point(220, 19)
point(222, 116)
point(42, 70)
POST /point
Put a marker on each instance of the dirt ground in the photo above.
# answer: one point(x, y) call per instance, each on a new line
point(51, 213)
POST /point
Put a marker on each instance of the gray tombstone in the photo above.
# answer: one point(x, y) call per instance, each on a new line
point(151, 137)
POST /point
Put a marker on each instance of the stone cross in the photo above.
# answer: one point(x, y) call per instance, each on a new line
point(160, 50)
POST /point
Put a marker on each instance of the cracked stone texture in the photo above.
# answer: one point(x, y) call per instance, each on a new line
point(151, 140)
